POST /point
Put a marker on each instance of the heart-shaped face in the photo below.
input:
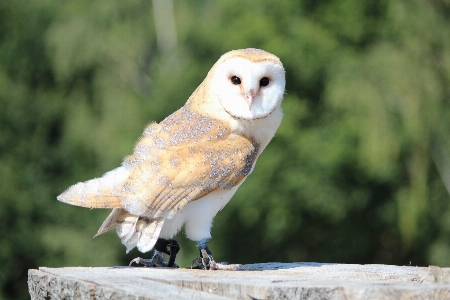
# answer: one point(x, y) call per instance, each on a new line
point(249, 85)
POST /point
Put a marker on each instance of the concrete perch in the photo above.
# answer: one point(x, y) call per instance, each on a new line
point(260, 281)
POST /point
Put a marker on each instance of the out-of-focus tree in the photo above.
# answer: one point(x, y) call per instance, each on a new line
point(359, 171)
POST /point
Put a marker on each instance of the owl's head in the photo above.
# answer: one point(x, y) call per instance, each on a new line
point(249, 83)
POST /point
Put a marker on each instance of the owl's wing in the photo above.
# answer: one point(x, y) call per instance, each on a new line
point(185, 174)
point(177, 161)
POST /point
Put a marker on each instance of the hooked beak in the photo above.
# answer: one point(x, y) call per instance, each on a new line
point(249, 98)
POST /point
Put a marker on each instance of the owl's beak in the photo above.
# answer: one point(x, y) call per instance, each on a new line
point(249, 98)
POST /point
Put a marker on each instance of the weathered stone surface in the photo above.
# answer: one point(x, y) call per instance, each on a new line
point(260, 281)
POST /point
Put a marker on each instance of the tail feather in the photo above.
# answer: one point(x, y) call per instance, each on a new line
point(133, 231)
point(110, 222)
point(106, 192)
point(149, 234)
point(126, 228)
point(143, 235)
point(97, 192)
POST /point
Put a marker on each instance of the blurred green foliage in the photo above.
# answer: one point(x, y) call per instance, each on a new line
point(359, 171)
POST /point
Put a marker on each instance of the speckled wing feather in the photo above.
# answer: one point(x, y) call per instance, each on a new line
point(186, 157)
point(180, 160)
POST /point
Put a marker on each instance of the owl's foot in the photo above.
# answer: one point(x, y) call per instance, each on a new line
point(155, 262)
point(207, 262)
point(162, 246)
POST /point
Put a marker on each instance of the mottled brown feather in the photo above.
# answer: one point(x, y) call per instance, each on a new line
point(180, 160)
point(189, 157)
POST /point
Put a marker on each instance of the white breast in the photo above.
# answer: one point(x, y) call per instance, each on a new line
point(198, 215)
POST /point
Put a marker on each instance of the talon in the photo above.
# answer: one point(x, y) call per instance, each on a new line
point(137, 260)
point(198, 262)
point(155, 261)
point(207, 262)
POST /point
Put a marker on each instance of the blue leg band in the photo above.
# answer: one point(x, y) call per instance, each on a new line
point(202, 244)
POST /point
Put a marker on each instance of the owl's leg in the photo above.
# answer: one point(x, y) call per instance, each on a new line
point(162, 246)
point(207, 262)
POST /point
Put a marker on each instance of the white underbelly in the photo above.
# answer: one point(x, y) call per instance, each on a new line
point(198, 215)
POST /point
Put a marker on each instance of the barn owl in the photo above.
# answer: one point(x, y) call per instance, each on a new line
point(185, 169)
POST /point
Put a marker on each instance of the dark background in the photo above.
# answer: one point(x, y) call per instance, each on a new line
point(358, 172)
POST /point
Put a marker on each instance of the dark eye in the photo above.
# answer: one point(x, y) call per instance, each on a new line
point(264, 81)
point(235, 80)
